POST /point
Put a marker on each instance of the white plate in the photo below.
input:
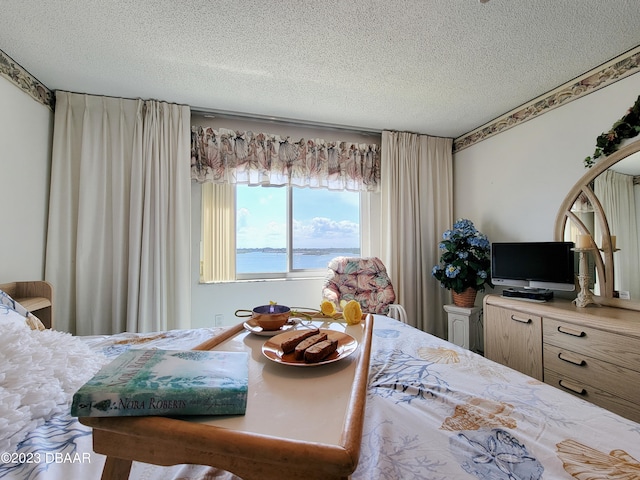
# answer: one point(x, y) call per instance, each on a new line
point(256, 329)
point(272, 349)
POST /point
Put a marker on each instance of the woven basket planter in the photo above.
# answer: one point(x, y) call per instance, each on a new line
point(465, 299)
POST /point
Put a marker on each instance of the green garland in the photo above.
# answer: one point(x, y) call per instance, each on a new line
point(607, 143)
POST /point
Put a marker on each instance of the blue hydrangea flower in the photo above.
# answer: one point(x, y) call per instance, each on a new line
point(464, 225)
point(465, 259)
point(452, 271)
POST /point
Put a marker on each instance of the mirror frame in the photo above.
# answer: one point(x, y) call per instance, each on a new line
point(604, 266)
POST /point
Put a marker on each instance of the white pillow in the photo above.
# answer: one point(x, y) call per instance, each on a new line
point(8, 304)
point(9, 316)
point(39, 373)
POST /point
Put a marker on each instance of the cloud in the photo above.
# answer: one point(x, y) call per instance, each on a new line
point(242, 217)
point(336, 233)
point(267, 199)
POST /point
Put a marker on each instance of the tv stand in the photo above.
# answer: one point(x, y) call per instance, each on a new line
point(532, 294)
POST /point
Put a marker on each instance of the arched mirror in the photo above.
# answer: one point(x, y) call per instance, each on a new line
point(605, 204)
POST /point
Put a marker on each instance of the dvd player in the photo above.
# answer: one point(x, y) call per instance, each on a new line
point(535, 294)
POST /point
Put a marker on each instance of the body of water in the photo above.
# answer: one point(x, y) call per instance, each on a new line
point(257, 261)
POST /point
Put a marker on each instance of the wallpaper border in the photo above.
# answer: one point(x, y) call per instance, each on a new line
point(620, 67)
point(17, 75)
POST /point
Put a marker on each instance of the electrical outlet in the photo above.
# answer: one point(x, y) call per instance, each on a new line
point(218, 320)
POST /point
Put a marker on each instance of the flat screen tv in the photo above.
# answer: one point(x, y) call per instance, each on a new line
point(539, 265)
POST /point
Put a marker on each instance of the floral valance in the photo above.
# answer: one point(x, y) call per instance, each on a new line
point(227, 156)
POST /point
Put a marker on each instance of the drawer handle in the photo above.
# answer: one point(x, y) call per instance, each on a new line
point(520, 319)
point(569, 331)
point(571, 359)
point(572, 387)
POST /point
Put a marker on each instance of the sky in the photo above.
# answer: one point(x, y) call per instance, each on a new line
point(322, 218)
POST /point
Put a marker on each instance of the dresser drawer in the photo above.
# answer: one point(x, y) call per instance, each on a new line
point(616, 380)
point(514, 339)
point(594, 395)
point(606, 346)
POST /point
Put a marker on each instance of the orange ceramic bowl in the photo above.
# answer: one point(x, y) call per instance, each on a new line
point(271, 317)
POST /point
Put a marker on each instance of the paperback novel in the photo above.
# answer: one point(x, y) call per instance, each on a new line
point(166, 382)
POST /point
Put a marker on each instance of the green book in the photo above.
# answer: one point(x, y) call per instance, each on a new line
point(166, 382)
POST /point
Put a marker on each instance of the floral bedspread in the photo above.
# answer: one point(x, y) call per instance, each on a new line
point(437, 411)
point(434, 411)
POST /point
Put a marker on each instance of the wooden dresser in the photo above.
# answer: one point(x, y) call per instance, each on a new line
point(592, 352)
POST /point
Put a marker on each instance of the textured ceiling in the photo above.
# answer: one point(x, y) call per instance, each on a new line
point(438, 67)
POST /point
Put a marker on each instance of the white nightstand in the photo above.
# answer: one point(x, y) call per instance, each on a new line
point(465, 329)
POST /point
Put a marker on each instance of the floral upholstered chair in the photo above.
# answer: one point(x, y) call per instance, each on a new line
point(364, 280)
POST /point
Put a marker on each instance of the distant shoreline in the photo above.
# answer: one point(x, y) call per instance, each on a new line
point(300, 251)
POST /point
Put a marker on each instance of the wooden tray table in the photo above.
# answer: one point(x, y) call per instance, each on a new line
point(301, 422)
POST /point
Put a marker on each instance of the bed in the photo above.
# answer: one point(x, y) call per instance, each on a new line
point(433, 411)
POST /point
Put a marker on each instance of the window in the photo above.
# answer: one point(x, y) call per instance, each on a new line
point(291, 231)
point(305, 206)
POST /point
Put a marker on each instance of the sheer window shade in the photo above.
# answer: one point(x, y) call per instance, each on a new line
point(218, 233)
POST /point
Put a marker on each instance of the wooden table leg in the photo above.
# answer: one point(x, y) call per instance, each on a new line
point(116, 469)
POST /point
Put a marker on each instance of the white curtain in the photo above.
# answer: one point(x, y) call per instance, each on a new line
point(616, 194)
point(118, 247)
point(417, 206)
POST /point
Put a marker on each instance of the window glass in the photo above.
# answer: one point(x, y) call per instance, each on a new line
point(275, 237)
point(326, 224)
point(261, 229)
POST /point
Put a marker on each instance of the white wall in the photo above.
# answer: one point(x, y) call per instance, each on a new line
point(511, 185)
point(209, 300)
point(25, 157)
